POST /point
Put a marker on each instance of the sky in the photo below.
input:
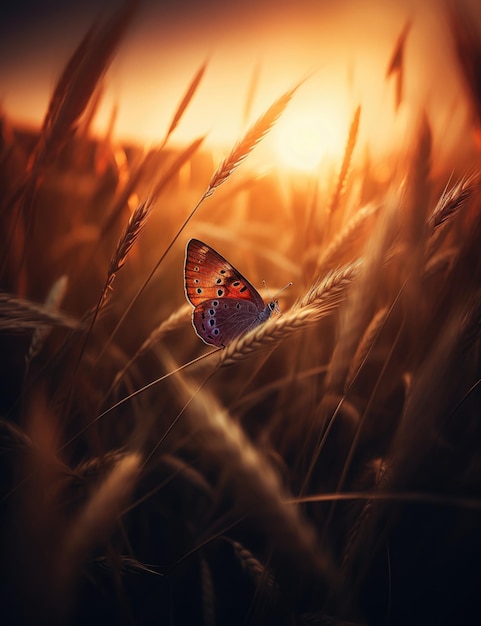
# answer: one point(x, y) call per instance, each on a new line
point(343, 47)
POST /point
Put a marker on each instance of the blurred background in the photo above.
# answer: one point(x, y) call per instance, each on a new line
point(255, 51)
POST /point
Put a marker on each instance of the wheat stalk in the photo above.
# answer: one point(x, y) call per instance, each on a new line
point(80, 78)
point(17, 314)
point(117, 261)
point(346, 162)
point(125, 564)
point(346, 237)
point(99, 514)
point(365, 345)
point(396, 62)
point(251, 564)
point(13, 437)
point(268, 334)
point(321, 300)
point(415, 210)
point(64, 83)
point(465, 33)
point(355, 316)
point(207, 591)
point(332, 287)
point(184, 103)
point(131, 232)
point(442, 261)
point(418, 188)
point(251, 92)
point(136, 176)
point(72, 94)
point(93, 467)
point(257, 488)
point(420, 428)
point(176, 319)
point(184, 156)
point(453, 201)
point(54, 299)
point(355, 536)
point(244, 147)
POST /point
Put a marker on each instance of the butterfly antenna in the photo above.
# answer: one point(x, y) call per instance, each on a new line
point(273, 299)
point(277, 293)
point(283, 288)
point(267, 289)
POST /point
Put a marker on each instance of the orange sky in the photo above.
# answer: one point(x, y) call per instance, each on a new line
point(346, 46)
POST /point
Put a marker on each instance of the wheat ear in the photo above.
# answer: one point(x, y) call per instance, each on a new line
point(184, 103)
point(132, 231)
point(100, 513)
point(53, 301)
point(321, 300)
point(396, 63)
point(251, 564)
point(139, 171)
point(365, 345)
point(176, 319)
point(124, 245)
point(346, 162)
point(453, 200)
point(250, 140)
point(251, 92)
point(17, 314)
point(348, 235)
point(80, 78)
point(332, 286)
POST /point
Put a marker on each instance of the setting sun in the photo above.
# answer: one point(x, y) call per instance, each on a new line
point(303, 140)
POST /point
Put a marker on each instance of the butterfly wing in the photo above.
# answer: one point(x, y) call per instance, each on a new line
point(219, 321)
point(209, 276)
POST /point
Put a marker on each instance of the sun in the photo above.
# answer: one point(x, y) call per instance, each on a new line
point(305, 138)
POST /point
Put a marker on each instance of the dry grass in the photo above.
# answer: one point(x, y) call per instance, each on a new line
point(346, 163)
point(325, 467)
point(244, 147)
point(19, 314)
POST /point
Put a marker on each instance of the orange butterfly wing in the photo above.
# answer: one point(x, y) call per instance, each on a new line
point(209, 276)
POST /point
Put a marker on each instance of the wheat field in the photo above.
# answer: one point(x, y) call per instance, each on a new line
point(324, 468)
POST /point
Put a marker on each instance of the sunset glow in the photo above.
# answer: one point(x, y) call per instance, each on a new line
point(163, 52)
point(304, 139)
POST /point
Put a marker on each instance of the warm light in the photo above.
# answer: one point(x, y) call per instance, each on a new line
point(304, 139)
point(302, 144)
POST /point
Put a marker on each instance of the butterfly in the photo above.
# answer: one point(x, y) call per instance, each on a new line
point(225, 304)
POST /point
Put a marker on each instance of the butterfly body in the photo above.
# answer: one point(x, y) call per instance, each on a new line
point(226, 305)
